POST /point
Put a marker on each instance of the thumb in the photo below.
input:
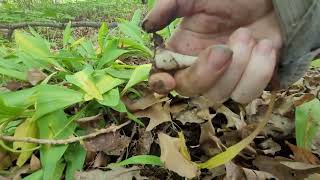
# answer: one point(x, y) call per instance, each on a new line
point(164, 12)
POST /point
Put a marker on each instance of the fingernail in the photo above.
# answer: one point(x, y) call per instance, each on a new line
point(265, 47)
point(243, 35)
point(219, 56)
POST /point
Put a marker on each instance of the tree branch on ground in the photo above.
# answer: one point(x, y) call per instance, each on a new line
point(112, 128)
point(11, 27)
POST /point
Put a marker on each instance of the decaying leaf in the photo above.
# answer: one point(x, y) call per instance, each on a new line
point(313, 177)
point(281, 171)
point(303, 155)
point(35, 163)
point(157, 114)
point(189, 116)
point(173, 159)
point(5, 160)
point(111, 143)
point(144, 143)
point(117, 173)
point(234, 120)
point(101, 160)
point(144, 102)
point(269, 147)
point(299, 165)
point(35, 76)
point(207, 130)
point(235, 172)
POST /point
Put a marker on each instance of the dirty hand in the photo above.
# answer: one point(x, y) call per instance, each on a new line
point(241, 68)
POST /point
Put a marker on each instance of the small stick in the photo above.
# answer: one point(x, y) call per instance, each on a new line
point(110, 129)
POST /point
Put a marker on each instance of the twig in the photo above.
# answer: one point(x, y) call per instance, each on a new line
point(60, 25)
point(110, 129)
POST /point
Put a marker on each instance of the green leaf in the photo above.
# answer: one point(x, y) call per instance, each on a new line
point(132, 31)
point(51, 98)
point(7, 112)
point(307, 123)
point(142, 159)
point(151, 4)
point(35, 176)
point(37, 48)
point(121, 107)
point(85, 81)
point(141, 73)
point(23, 98)
point(67, 35)
point(75, 157)
point(102, 34)
point(121, 73)
point(14, 74)
point(110, 53)
point(315, 63)
point(48, 126)
point(135, 119)
point(136, 18)
point(27, 129)
point(111, 98)
point(105, 82)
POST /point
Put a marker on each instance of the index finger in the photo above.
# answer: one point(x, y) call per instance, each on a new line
point(166, 11)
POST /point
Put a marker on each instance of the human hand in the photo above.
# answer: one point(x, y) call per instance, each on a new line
point(242, 69)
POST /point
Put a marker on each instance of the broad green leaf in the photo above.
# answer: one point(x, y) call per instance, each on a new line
point(121, 107)
point(75, 157)
point(67, 35)
point(51, 98)
point(23, 98)
point(27, 129)
point(105, 82)
point(111, 98)
point(102, 34)
point(151, 4)
point(121, 73)
point(136, 18)
point(48, 126)
point(35, 176)
point(89, 49)
point(13, 74)
point(7, 112)
point(142, 159)
point(307, 123)
point(110, 53)
point(37, 48)
point(85, 81)
point(58, 172)
point(78, 42)
point(13, 64)
point(137, 46)
point(132, 31)
point(141, 73)
point(315, 63)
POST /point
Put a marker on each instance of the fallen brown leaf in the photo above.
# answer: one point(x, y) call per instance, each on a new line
point(269, 147)
point(110, 143)
point(173, 159)
point(235, 172)
point(100, 161)
point(313, 177)
point(157, 114)
point(148, 100)
point(303, 155)
point(144, 143)
point(35, 76)
point(281, 171)
point(35, 163)
point(118, 173)
point(234, 120)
